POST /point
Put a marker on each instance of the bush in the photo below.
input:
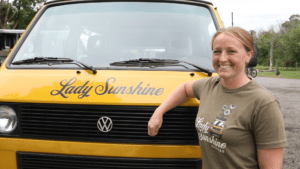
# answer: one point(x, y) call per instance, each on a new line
point(277, 71)
point(288, 63)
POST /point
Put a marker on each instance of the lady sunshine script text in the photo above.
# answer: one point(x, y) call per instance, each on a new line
point(70, 87)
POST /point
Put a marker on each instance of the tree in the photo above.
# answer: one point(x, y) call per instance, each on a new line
point(7, 14)
point(263, 49)
point(18, 13)
point(292, 45)
point(271, 38)
point(293, 23)
point(270, 46)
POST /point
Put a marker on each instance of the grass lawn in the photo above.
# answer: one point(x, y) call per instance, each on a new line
point(284, 74)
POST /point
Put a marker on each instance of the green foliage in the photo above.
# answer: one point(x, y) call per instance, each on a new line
point(292, 45)
point(25, 18)
point(12, 10)
point(286, 44)
point(4, 18)
point(263, 50)
point(294, 20)
point(22, 11)
point(264, 47)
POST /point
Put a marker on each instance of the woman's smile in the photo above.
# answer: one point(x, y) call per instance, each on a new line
point(225, 67)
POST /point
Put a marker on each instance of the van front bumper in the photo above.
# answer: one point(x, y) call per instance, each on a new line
point(44, 149)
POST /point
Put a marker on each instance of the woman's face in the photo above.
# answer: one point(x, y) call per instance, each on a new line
point(229, 56)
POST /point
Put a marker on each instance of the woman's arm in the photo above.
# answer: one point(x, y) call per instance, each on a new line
point(177, 97)
point(270, 158)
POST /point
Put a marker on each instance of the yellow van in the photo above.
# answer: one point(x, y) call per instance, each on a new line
point(80, 85)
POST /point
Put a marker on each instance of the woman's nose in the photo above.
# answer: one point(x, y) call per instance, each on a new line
point(223, 57)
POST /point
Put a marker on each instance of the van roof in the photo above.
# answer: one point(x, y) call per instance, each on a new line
point(54, 1)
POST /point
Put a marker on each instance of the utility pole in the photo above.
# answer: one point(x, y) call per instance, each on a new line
point(232, 18)
point(18, 27)
point(252, 34)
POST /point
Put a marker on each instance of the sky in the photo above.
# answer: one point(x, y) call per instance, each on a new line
point(256, 15)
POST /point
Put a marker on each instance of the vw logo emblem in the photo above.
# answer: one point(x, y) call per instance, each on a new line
point(105, 124)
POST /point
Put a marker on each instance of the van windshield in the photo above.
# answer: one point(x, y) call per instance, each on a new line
point(101, 33)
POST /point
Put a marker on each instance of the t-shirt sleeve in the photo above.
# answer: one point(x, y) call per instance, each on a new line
point(269, 127)
point(198, 86)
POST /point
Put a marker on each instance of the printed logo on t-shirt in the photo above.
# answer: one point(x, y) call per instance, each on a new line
point(216, 130)
point(219, 124)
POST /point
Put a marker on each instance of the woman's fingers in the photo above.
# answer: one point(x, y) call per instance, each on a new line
point(154, 125)
point(152, 130)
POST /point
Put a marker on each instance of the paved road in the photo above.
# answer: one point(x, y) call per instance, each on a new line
point(287, 91)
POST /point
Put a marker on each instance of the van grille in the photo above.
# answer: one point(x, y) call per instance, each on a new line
point(130, 124)
point(47, 161)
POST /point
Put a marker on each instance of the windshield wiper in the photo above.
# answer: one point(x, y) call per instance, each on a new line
point(56, 60)
point(158, 62)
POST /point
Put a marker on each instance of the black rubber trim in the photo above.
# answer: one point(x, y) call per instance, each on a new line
point(56, 1)
point(36, 160)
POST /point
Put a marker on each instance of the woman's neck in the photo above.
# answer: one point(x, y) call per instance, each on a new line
point(234, 83)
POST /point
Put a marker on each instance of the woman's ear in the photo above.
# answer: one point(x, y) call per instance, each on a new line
point(249, 56)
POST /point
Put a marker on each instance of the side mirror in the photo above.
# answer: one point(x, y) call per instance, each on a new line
point(253, 61)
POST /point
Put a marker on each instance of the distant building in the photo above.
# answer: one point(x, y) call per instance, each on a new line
point(8, 39)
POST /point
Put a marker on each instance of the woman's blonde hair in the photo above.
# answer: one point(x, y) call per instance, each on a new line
point(241, 34)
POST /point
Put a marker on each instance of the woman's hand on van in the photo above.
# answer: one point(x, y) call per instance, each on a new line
point(154, 124)
point(177, 97)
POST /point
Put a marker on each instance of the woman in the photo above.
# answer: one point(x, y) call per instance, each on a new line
point(239, 123)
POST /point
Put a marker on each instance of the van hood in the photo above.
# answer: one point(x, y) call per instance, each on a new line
point(107, 87)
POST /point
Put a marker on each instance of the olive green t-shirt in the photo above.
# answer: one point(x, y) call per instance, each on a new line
point(233, 123)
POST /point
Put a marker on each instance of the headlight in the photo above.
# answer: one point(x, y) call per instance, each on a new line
point(8, 119)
